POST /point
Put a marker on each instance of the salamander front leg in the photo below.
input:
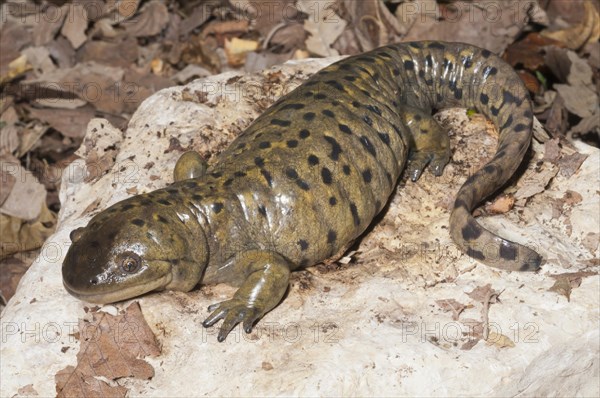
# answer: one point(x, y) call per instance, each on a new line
point(267, 278)
point(189, 165)
point(430, 146)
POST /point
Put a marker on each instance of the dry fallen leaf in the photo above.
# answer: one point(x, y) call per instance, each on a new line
point(151, 20)
point(323, 31)
point(26, 196)
point(451, 305)
point(499, 340)
point(579, 34)
point(480, 293)
point(566, 282)
point(111, 347)
point(569, 164)
point(75, 25)
point(501, 204)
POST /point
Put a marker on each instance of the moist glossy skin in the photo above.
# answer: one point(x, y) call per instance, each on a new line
point(306, 179)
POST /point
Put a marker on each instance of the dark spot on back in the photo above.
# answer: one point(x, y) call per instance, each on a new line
point(162, 219)
point(260, 162)
point(350, 78)
point(471, 231)
point(458, 93)
point(520, 127)
point(460, 204)
point(346, 169)
point(409, 65)
point(332, 201)
point(331, 236)
point(367, 176)
point(302, 184)
point(320, 96)
point(313, 160)
point(335, 84)
point(196, 197)
point(264, 145)
point(485, 53)
point(336, 149)
point(384, 137)
point(303, 244)
point(364, 140)
point(291, 173)
point(345, 129)
point(279, 122)
point(467, 61)
point(217, 207)
point(508, 251)
point(239, 174)
point(476, 254)
point(126, 207)
point(292, 143)
point(374, 109)
point(164, 202)
point(309, 116)
point(328, 113)
point(356, 104)
point(293, 106)
point(262, 210)
point(489, 169)
point(354, 212)
point(507, 123)
point(484, 99)
point(368, 120)
point(326, 175)
point(304, 134)
point(267, 176)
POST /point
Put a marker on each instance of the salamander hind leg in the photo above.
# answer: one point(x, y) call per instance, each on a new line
point(267, 278)
point(430, 144)
point(189, 165)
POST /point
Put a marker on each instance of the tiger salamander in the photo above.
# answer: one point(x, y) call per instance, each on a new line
point(305, 179)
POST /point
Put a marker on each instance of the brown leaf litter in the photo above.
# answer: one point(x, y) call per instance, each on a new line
point(111, 348)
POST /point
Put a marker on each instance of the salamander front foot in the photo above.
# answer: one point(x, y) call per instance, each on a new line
point(232, 312)
point(267, 277)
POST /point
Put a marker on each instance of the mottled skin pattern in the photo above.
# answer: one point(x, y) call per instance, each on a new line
point(306, 179)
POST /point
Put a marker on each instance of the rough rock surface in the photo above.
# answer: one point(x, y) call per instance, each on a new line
point(382, 324)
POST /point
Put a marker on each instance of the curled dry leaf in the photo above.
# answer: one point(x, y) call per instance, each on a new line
point(152, 19)
point(576, 36)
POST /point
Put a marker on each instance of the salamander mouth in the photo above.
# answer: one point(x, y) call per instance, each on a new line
point(105, 294)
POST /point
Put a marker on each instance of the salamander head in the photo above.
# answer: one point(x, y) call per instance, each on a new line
point(130, 249)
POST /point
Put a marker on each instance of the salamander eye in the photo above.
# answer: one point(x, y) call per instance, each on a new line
point(131, 263)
